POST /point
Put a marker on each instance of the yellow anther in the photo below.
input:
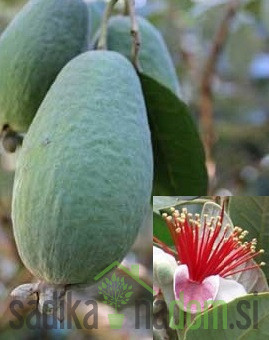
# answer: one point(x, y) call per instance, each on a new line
point(176, 213)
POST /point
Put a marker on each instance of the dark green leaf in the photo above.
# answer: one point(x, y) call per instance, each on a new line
point(234, 323)
point(251, 213)
point(128, 294)
point(254, 6)
point(160, 229)
point(178, 152)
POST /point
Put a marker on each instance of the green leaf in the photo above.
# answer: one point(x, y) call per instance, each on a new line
point(179, 159)
point(251, 213)
point(254, 6)
point(107, 280)
point(234, 320)
point(160, 202)
point(130, 287)
point(113, 278)
point(122, 279)
point(104, 285)
point(160, 230)
point(123, 302)
point(128, 294)
point(105, 297)
point(125, 286)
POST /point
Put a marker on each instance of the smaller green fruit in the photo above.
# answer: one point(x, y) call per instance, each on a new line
point(154, 57)
point(96, 9)
point(43, 37)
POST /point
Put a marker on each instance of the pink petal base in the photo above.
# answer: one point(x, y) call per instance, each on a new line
point(194, 297)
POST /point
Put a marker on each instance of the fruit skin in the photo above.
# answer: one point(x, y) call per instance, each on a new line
point(38, 43)
point(154, 57)
point(84, 175)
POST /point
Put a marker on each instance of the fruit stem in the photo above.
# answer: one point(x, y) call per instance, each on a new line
point(10, 139)
point(130, 5)
point(102, 42)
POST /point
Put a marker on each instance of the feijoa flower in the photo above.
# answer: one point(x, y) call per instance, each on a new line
point(208, 254)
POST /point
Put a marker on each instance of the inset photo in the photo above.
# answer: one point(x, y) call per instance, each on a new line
point(210, 272)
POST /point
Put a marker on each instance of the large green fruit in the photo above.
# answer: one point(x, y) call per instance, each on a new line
point(84, 175)
point(40, 40)
point(154, 57)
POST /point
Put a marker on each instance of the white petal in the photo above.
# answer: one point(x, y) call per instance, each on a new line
point(229, 290)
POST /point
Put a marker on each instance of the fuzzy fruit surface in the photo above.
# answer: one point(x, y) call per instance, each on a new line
point(38, 43)
point(154, 56)
point(84, 176)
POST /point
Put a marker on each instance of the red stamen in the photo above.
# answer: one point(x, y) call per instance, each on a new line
point(209, 249)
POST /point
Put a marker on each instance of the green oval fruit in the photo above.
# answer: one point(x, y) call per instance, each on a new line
point(84, 175)
point(154, 57)
point(96, 10)
point(40, 40)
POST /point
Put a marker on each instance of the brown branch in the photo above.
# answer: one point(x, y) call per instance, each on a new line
point(164, 247)
point(206, 92)
point(102, 41)
point(130, 5)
